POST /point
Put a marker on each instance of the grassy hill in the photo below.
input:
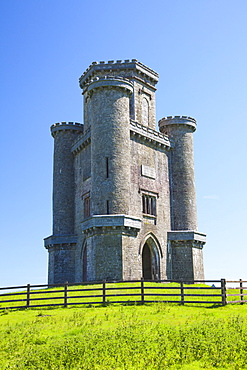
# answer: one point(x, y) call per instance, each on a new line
point(150, 336)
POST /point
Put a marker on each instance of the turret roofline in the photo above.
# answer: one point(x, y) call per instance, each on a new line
point(61, 126)
point(177, 121)
point(119, 65)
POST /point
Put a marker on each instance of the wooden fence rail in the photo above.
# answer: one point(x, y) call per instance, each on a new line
point(239, 289)
point(125, 292)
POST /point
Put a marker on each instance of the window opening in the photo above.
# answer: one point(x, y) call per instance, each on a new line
point(148, 204)
point(145, 111)
point(107, 167)
point(107, 207)
point(87, 207)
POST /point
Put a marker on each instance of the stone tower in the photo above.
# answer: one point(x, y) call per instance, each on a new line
point(124, 203)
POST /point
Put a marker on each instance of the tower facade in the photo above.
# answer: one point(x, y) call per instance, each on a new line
point(124, 203)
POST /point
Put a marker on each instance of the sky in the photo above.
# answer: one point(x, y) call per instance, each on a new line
point(198, 47)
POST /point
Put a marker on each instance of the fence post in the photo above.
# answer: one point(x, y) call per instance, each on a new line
point(223, 292)
point(65, 294)
point(241, 291)
point(142, 291)
point(28, 295)
point(103, 292)
point(182, 292)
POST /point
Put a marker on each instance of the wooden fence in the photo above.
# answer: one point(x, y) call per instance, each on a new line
point(237, 290)
point(214, 292)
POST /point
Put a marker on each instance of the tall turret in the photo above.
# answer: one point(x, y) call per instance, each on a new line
point(187, 243)
point(61, 245)
point(110, 145)
point(115, 93)
point(183, 193)
point(107, 102)
point(64, 135)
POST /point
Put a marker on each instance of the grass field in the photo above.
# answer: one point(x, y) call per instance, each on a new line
point(129, 337)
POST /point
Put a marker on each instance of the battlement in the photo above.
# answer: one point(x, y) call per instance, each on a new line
point(177, 120)
point(60, 126)
point(97, 78)
point(147, 134)
point(112, 66)
point(110, 82)
point(81, 141)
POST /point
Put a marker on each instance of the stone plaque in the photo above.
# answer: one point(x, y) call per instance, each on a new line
point(148, 171)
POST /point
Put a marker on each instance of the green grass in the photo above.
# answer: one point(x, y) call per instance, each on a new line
point(124, 337)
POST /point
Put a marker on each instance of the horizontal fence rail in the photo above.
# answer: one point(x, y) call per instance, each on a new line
point(214, 292)
point(237, 292)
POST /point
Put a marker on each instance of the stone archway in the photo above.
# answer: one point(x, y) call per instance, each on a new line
point(150, 260)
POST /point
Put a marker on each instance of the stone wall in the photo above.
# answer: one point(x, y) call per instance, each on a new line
point(139, 183)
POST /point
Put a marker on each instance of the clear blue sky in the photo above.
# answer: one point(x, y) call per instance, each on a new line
point(198, 47)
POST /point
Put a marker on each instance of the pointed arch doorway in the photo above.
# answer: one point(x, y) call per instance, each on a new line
point(150, 260)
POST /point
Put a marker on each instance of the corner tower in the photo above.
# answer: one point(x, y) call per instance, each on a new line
point(62, 243)
point(185, 240)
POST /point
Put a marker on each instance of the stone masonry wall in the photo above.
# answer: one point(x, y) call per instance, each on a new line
point(63, 182)
point(110, 142)
point(144, 153)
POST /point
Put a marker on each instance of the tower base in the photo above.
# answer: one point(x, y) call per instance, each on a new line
point(186, 255)
point(61, 266)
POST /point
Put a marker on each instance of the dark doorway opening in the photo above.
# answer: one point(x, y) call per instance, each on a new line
point(146, 263)
point(150, 261)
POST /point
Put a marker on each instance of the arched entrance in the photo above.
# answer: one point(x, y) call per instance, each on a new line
point(150, 260)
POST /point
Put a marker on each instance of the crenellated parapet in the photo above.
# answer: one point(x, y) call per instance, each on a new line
point(128, 68)
point(135, 78)
point(68, 126)
point(109, 82)
point(149, 136)
point(177, 121)
point(81, 142)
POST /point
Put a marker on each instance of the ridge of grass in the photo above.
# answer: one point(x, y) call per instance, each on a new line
point(122, 336)
point(151, 336)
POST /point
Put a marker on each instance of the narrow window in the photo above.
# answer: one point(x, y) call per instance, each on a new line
point(86, 207)
point(145, 111)
point(107, 207)
point(149, 199)
point(148, 204)
point(107, 167)
point(154, 207)
point(143, 204)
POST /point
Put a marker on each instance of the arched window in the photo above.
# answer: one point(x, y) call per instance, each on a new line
point(145, 111)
